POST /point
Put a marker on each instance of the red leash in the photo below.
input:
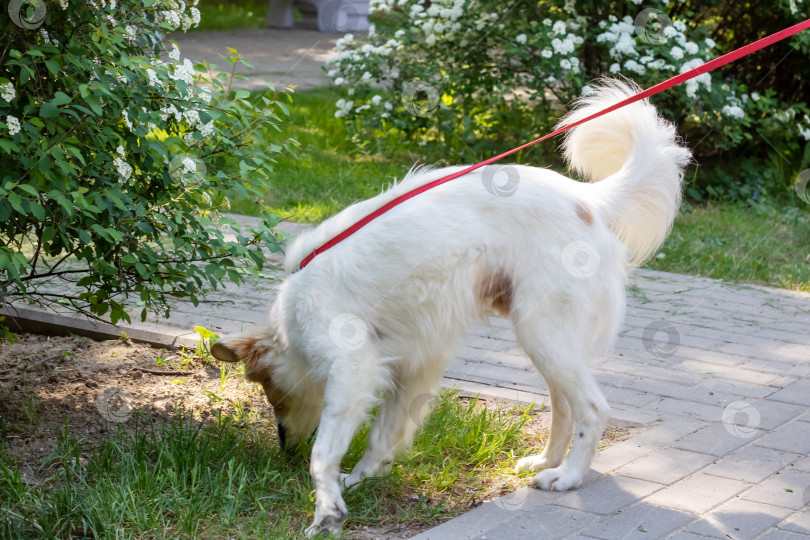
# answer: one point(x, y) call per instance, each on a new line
point(660, 87)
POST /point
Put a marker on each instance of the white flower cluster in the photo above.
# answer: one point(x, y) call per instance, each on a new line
point(124, 168)
point(184, 72)
point(621, 37)
point(13, 124)
point(174, 52)
point(733, 111)
point(7, 91)
point(344, 108)
point(153, 78)
point(805, 131)
point(127, 121)
point(189, 166)
point(177, 17)
point(693, 85)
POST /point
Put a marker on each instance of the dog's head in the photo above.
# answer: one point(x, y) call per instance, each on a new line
point(296, 413)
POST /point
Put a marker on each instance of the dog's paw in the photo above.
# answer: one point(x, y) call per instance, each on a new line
point(557, 479)
point(531, 463)
point(328, 522)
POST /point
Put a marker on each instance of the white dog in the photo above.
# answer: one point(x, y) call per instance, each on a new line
point(381, 313)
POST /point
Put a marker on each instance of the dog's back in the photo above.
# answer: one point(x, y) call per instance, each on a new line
point(508, 236)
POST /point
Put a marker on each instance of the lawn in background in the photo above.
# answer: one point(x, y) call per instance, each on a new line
point(221, 15)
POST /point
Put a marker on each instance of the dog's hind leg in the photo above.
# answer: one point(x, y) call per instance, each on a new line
point(349, 393)
point(562, 362)
point(562, 429)
point(401, 412)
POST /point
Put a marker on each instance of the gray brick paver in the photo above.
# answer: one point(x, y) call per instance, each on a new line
point(710, 357)
point(691, 536)
point(802, 464)
point(773, 414)
point(719, 439)
point(665, 466)
point(748, 353)
point(641, 522)
point(786, 489)
point(751, 464)
point(740, 519)
point(798, 393)
point(777, 367)
point(691, 409)
point(698, 494)
point(798, 522)
point(793, 437)
point(697, 394)
point(783, 535)
point(608, 494)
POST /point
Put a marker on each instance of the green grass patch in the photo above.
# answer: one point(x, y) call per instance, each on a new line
point(219, 15)
point(227, 478)
point(765, 245)
point(330, 171)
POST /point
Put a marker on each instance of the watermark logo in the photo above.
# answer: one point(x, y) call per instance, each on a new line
point(801, 185)
point(338, 17)
point(348, 331)
point(661, 339)
point(650, 25)
point(28, 14)
point(580, 259)
point(501, 181)
point(741, 419)
point(187, 170)
point(513, 501)
point(420, 98)
point(420, 408)
point(115, 404)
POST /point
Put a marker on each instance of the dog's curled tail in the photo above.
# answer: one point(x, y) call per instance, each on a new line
point(636, 161)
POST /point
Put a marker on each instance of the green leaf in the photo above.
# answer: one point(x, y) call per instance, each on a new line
point(15, 201)
point(28, 189)
point(37, 210)
point(94, 104)
point(60, 98)
point(48, 110)
point(53, 66)
point(205, 333)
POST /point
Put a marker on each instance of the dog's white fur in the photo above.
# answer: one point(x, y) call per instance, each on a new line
point(383, 311)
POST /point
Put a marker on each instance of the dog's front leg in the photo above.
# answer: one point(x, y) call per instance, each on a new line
point(349, 394)
point(401, 413)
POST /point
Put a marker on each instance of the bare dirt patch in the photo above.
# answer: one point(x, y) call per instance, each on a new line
point(92, 387)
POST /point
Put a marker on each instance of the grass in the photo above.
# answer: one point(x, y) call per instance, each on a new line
point(182, 477)
point(765, 245)
point(330, 171)
point(220, 15)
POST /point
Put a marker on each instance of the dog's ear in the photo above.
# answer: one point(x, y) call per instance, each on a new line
point(223, 352)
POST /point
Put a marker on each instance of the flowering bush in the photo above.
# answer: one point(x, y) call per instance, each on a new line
point(115, 163)
point(481, 75)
